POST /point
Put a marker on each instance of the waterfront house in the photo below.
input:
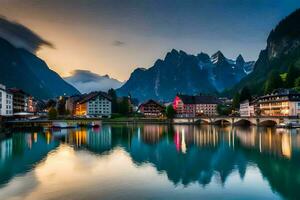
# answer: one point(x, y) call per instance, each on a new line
point(192, 106)
point(247, 109)
point(20, 100)
point(152, 108)
point(94, 104)
point(6, 102)
point(281, 102)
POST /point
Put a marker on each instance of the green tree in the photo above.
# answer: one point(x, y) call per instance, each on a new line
point(236, 101)
point(114, 102)
point(245, 94)
point(61, 106)
point(52, 113)
point(170, 112)
point(273, 82)
point(224, 110)
point(292, 74)
point(297, 82)
point(123, 106)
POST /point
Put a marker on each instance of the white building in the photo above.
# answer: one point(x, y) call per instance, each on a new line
point(246, 109)
point(6, 102)
point(95, 104)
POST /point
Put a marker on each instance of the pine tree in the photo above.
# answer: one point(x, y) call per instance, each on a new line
point(170, 112)
point(112, 93)
point(245, 94)
point(293, 73)
point(236, 101)
point(273, 82)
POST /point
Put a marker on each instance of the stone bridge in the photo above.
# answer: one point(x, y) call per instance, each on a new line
point(223, 120)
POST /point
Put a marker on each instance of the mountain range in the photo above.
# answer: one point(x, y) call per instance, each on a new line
point(22, 69)
point(86, 81)
point(180, 72)
point(177, 72)
point(282, 51)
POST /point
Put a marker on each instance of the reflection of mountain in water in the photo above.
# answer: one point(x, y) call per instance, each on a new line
point(21, 152)
point(186, 154)
point(189, 154)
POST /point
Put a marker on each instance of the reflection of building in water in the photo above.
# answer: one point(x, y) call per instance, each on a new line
point(92, 139)
point(77, 137)
point(19, 155)
point(99, 141)
point(272, 141)
point(6, 149)
point(204, 136)
point(151, 134)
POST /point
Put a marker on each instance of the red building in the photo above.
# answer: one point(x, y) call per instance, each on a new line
point(152, 108)
point(191, 106)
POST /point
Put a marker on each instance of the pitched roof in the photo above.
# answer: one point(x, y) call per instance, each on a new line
point(152, 101)
point(199, 99)
point(93, 95)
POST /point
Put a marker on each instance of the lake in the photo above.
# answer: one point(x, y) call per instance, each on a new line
point(151, 162)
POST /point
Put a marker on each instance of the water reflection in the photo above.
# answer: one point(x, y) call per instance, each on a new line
point(186, 154)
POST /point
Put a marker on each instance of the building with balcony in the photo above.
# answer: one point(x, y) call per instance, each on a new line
point(281, 102)
point(152, 108)
point(247, 109)
point(94, 104)
point(6, 102)
point(20, 100)
point(192, 106)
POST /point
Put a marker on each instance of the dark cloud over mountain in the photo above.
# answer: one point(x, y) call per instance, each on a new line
point(21, 36)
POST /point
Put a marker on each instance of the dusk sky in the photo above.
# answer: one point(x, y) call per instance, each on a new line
point(116, 36)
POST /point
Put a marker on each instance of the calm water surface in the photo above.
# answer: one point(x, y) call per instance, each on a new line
point(151, 162)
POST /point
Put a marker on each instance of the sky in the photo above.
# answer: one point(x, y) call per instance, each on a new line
point(116, 36)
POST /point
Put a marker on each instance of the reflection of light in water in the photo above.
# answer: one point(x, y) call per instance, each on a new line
point(28, 140)
point(177, 141)
point(35, 137)
point(80, 137)
point(6, 149)
point(286, 145)
point(270, 137)
point(48, 136)
point(260, 142)
point(183, 145)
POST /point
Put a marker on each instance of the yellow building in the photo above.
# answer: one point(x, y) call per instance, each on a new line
point(282, 102)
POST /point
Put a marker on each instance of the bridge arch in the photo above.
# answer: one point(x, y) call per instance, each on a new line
point(203, 121)
point(267, 122)
point(222, 122)
point(243, 122)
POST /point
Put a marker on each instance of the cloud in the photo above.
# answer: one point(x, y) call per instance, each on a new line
point(86, 81)
point(118, 43)
point(21, 36)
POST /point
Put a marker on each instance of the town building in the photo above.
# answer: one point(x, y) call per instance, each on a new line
point(71, 103)
point(20, 100)
point(94, 104)
point(32, 105)
point(281, 102)
point(6, 102)
point(192, 106)
point(246, 109)
point(152, 108)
